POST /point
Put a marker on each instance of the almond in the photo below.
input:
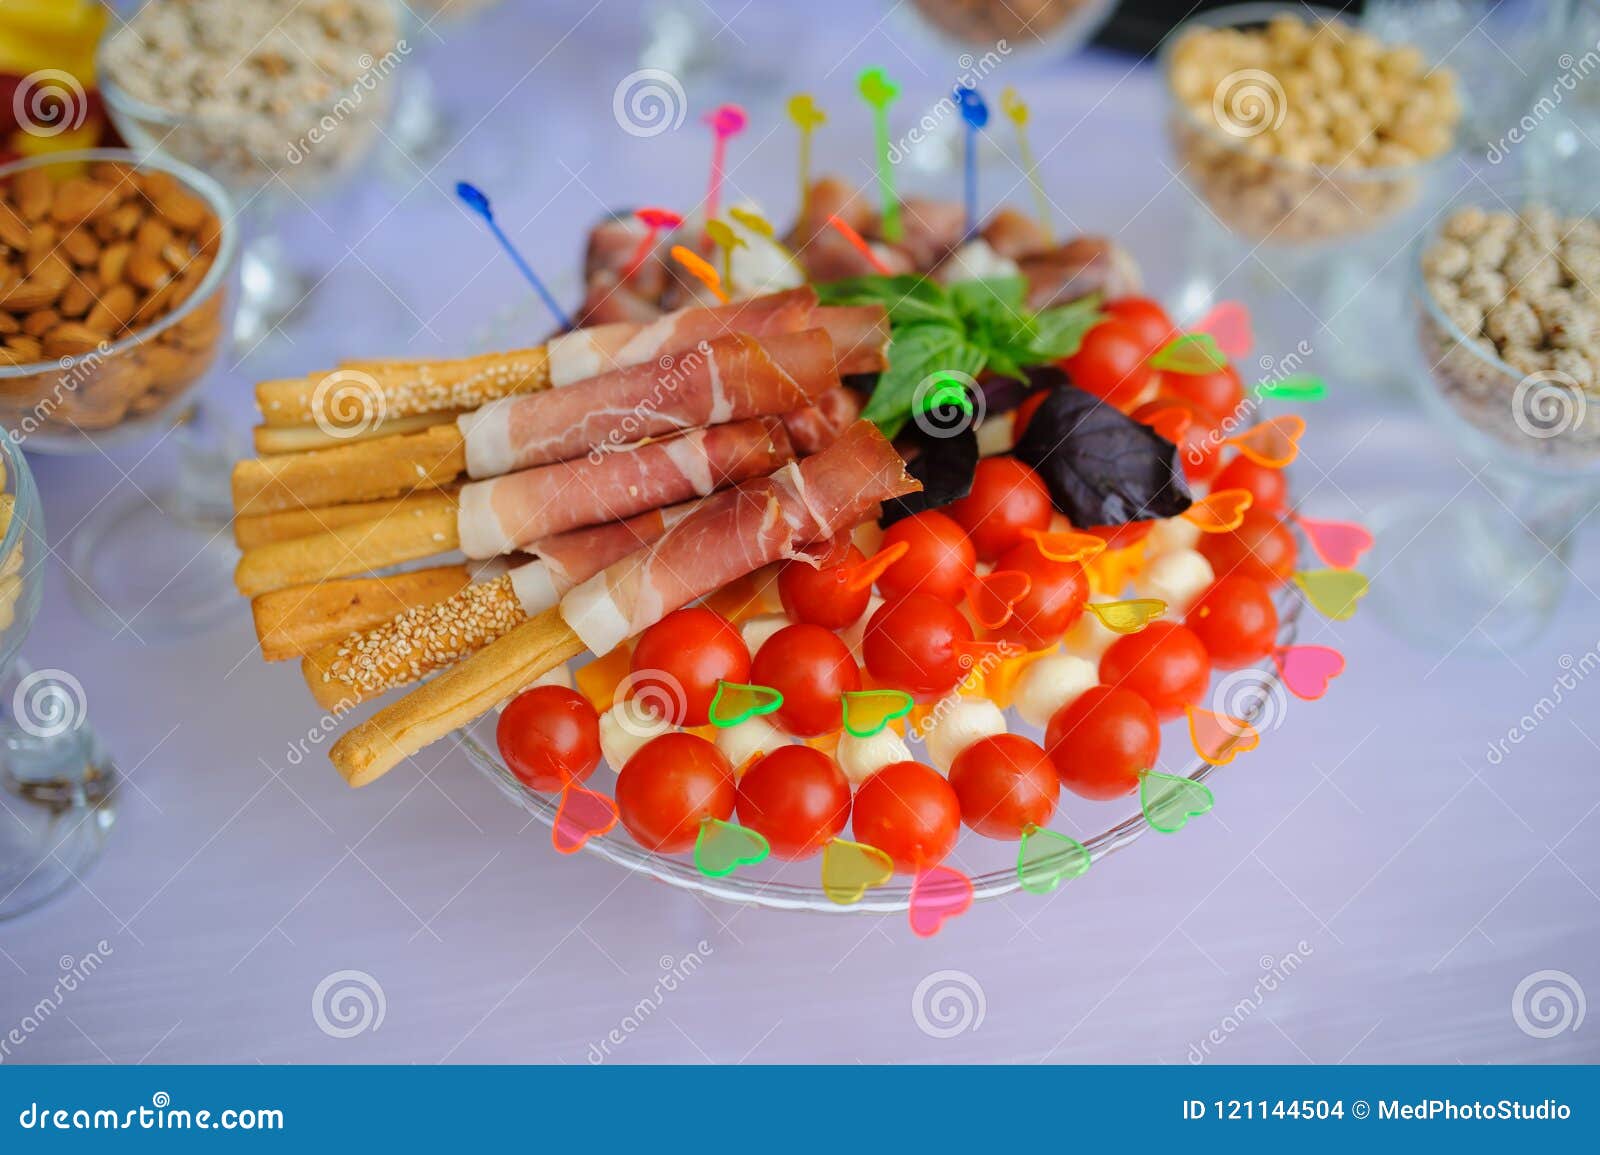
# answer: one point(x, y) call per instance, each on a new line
point(81, 247)
point(40, 323)
point(156, 184)
point(41, 242)
point(77, 198)
point(76, 299)
point(113, 260)
point(13, 229)
point(146, 270)
point(8, 323)
point(112, 311)
point(70, 339)
point(184, 210)
point(31, 192)
point(119, 223)
point(26, 348)
point(152, 237)
point(40, 289)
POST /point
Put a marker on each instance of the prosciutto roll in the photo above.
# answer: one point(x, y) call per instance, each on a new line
point(817, 426)
point(736, 532)
point(566, 559)
point(513, 511)
point(732, 378)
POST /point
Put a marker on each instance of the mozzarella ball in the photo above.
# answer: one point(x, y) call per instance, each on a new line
point(997, 435)
point(956, 723)
point(1170, 535)
point(861, 758)
point(1051, 683)
point(851, 634)
point(560, 676)
point(758, 629)
point(1088, 637)
point(1176, 578)
point(752, 736)
point(624, 728)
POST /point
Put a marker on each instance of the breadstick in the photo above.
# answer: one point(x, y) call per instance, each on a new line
point(404, 388)
point(363, 471)
point(295, 621)
point(262, 529)
point(465, 691)
point(271, 439)
point(416, 531)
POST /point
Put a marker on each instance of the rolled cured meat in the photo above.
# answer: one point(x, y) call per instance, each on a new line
point(731, 378)
point(513, 511)
point(736, 532)
point(818, 425)
point(564, 560)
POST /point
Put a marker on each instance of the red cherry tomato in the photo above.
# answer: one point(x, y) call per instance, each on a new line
point(795, 797)
point(939, 562)
point(1025, 412)
point(1122, 536)
point(819, 595)
point(1055, 599)
point(909, 812)
point(680, 659)
point(1164, 663)
point(1147, 316)
point(1005, 784)
point(670, 785)
point(1101, 740)
point(1198, 445)
point(1110, 363)
point(912, 643)
point(810, 667)
point(1269, 487)
point(1220, 393)
point(1235, 620)
point(549, 737)
point(1262, 548)
point(1007, 498)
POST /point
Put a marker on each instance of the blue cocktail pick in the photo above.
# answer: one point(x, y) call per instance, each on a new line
point(474, 198)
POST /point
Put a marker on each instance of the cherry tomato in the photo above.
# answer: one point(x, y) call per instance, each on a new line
point(1005, 784)
point(1055, 599)
point(797, 798)
point(810, 667)
point(1269, 487)
point(1164, 663)
point(1262, 548)
point(1101, 740)
point(908, 811)
point(1147, 316)
point(817, 594)
point(1235, 620)
point(680, 659)
point(1007, 498)
point(1199, 444)
point(912, 643)
point(939, 562)
point(1110, 363)
point(549, 737)
point(1025, 412)
point(670, 785)
point(1122, 536)
point(1220, 393)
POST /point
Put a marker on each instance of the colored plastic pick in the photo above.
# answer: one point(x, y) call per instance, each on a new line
point(867, 712)
point(1066, 544)
point(1229, 325)
point(753, 221)
point(976, 115)
point(723, 847)
point(807, 118)
point(1220, 511)
point(723, 236)
point(1169, 801)
point(994, 596)
point(849, 869)
point(937, 894)
point(654, 220)
point(1192, 354)
point(947, 392)
point(700, 269)
point(1273, 444)
point(878, 91)
point(475, 199)
point(726, 121)
point(736, 702)
point(859, 243)
point(1295, 387)
point(861, 575)
point(1128, 617)
point(1334, 592)
point(1339, 543)
point(1046, 859)
point(1307, 670)
point(1170, 424)
point(1219, 738)
point(582, 815)
point(1017, 112)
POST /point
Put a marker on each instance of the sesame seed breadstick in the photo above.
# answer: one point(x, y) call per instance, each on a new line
point(362, 471)
point(293, 622)
point(273, 439)
point(264, 528)
point(416, 531)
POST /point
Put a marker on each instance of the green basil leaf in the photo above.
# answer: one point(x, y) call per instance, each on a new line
point(1059, 331)
point(910, 299)
point(915, 354)
point(990, 297)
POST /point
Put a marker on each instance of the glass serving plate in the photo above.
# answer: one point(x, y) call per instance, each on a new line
point(1254, 694)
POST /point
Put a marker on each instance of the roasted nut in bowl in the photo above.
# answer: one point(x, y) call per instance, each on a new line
point(115, 291)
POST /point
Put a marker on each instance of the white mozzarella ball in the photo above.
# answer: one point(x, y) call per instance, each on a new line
point(1176, 578)
point(559, 676)
point(624, 728)
point(997, 435)
point(752, 736)
point(861, 758)
point(1089, 638)
point(758, 629)
point(1051, 683)
point(956, 723)
point(1170, 535)
point(851, 635)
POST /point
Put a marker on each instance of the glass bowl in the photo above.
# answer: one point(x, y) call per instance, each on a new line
point(134, 385)
point(1256, 695)
point(1268, 198)
point(21, 551)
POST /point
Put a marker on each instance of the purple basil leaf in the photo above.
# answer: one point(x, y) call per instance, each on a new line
point(945, 465)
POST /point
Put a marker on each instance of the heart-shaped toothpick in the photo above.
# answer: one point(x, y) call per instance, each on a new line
point(582, 815)
point(867, 712)
point(1220, 738)
point(1066, 544)
point(735, 702)
point(1169, 801)
point(1193, 355)
point(849, 869)
point(1127, 617)
point(1229, 326)
point(1273, 443)
point(1334, 592)
point(1220, 511)
point(939, 893)
point(1046, 859)
point(1339, 543)
point(722, 848)
point(993, 596)
point(1307, 670)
